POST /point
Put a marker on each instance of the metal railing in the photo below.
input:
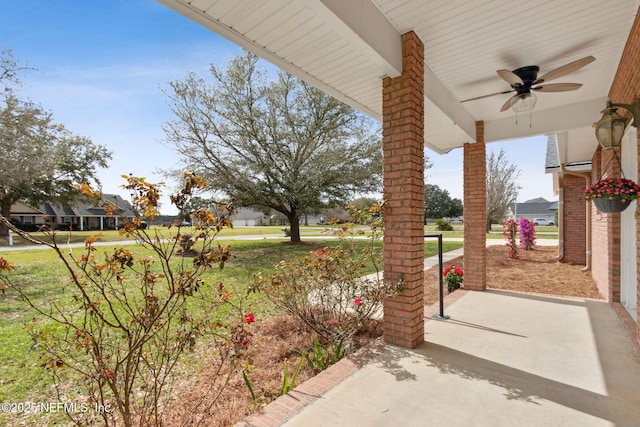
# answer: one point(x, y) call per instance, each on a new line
point(441, 314)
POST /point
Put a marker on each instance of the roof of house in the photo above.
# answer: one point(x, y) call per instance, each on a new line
point(538, 206)
point(247, 214)
point(84, 207)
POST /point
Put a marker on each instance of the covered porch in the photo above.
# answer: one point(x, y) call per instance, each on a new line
point(503, 359)
point(427, 71)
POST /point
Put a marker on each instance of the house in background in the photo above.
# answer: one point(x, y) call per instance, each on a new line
point(535, 208)
point(83, 215)
point(247, 217)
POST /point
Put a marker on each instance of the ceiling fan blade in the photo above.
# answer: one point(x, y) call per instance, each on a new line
point(509, 103)
point(565, 69)
point(487, 96)
point(510, 77)
point(557, 87)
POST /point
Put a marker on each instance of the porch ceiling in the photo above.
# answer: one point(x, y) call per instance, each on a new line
point(346, 47)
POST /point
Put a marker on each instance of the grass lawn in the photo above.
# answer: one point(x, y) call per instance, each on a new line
point(22, 379)
point(114, 235)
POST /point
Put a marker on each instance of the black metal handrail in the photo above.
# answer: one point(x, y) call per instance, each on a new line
point(441, 315)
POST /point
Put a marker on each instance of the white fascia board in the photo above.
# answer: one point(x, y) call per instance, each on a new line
point(181, 7)
point(562, 144)
point(546, 121)
point(366, 28)
point(444, 100)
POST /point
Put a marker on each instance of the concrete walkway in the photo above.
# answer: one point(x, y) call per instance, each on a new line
point(503, 359)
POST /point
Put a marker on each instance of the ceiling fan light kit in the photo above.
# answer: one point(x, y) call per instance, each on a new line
point(525, 102)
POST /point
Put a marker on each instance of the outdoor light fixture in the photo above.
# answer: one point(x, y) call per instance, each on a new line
point(610, 128)
point(526, 102)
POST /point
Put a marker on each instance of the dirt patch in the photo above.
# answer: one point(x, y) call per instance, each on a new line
point(275, 342)
point(537, 272)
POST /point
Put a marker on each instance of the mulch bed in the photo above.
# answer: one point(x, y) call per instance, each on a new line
point(536, 271)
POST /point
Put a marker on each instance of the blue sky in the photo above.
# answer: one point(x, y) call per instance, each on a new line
point(101, 67)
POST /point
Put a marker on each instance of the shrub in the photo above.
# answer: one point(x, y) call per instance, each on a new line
point(527, 234)
point(510, 230)
point(130, 320)
point(443, 225)
point(186, 242)
point(326, 289)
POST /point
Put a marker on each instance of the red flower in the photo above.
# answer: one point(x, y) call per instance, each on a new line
point(459, 271)
point(358, 301)
point(249, 318)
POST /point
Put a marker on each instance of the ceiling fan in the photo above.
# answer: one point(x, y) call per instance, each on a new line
point(523, 79)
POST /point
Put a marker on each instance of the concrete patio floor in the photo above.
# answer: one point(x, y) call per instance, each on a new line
point(502, 359)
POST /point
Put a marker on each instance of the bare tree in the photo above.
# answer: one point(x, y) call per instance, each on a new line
point(502, 186)
point(9, 69)
point(274, 144)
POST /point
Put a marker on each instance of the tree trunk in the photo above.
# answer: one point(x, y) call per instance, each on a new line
point(5, 211)
point(294, 224)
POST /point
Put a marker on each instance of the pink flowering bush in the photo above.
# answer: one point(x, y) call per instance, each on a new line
point(613, 188)
point(510, 231)
point(527, 234)
point(453, 277)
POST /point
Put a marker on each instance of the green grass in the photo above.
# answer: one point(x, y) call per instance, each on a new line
point(21, 378)
point(166, 232)
point(114, 235)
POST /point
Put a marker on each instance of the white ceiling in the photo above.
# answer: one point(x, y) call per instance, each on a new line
point(345, 47)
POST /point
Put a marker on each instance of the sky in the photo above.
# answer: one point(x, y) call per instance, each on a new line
point(101, 68)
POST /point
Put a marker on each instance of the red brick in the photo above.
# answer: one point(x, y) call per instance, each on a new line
point(403, 165)
point(475, 212)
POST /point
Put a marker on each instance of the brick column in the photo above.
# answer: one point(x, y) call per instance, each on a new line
point(403, 166)
point(475, 213)
point(574, 216)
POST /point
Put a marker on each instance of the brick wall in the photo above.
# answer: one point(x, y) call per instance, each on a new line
point(475, 212)
point(403, 186)
point(574, 220)
point(605, 231)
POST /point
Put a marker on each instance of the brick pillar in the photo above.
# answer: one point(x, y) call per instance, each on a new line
point(574, 225)
point(475, 212)
point(403, 166)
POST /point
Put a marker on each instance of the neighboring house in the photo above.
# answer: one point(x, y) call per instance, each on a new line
point(535, 208)
point(83, 215)
point(247, 217)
